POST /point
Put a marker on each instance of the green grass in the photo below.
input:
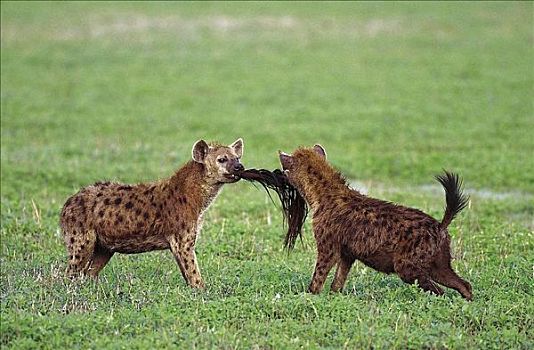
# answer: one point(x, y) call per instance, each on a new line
point(394, 91)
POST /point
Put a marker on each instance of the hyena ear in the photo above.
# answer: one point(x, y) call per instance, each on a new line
point(286, 160)
point(238, 147)
point(320, 150)
point(200, 150)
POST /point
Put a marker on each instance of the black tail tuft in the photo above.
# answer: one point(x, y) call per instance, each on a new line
point(294, 206)
point(456, 199)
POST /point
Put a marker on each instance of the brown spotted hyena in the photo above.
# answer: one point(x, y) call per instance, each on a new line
point(107, 218)
point(390, 238)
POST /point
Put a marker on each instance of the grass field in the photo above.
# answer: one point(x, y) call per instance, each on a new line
point(394, 92)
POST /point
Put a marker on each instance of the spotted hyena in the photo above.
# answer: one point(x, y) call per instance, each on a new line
point(107, 218)
point(390, 238)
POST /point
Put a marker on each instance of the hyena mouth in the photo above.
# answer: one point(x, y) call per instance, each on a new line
point(294, 207)
point(233, 177)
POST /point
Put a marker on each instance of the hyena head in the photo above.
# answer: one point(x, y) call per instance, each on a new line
point(302, 164)
point(222, 163)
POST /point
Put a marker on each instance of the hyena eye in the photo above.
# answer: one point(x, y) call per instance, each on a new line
point(222, 159)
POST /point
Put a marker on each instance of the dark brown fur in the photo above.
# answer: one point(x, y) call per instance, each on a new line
point(107, 218)
point(390, 238)
point(294, 207)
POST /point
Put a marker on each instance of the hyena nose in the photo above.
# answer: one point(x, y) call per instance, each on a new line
point(239, 167)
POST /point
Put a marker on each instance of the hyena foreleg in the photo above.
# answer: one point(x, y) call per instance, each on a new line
point(184, 252)
point(326, 259)
point(342, 271)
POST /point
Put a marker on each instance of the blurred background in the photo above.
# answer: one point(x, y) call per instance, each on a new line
point(393, 91)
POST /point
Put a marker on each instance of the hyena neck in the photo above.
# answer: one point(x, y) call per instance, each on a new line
point(322, 186)
point(190, 182)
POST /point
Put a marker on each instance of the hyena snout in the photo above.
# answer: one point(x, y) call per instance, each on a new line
point(234, 167)
point(232, 171)
point(238, 167)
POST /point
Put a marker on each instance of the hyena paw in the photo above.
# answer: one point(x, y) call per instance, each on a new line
point(197, 283)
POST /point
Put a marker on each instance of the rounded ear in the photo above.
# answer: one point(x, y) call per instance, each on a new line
point(238, 147)
point(320, 150)
point(200, 150)
point(285, 159)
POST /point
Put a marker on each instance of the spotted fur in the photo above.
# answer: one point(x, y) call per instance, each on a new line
point(390, 238)
point(107, 218)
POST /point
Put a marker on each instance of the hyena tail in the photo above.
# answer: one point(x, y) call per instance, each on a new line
point(456, 199)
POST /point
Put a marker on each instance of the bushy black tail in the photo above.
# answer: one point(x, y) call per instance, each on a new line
point(456, 200)
point(294, 206)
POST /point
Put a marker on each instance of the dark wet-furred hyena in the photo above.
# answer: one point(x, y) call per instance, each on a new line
point(390, 238)
point(107, 218)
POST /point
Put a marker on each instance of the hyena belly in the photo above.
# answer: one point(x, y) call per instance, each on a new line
point(379, 234)
point(402, 238)
point(125, 219)
point(380, 261)
point(134, 243)
point(361, 246)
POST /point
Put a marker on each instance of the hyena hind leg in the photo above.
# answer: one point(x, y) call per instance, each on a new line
point(80, 247)
point(447, 277)
point(409, 273)
point(443, 273)
point(100, 258)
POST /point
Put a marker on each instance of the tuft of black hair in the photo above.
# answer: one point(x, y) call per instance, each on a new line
point(454, 196)
point(294, 207)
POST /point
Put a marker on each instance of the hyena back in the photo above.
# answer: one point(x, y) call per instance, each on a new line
point(387, 237)
point(107, 218)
